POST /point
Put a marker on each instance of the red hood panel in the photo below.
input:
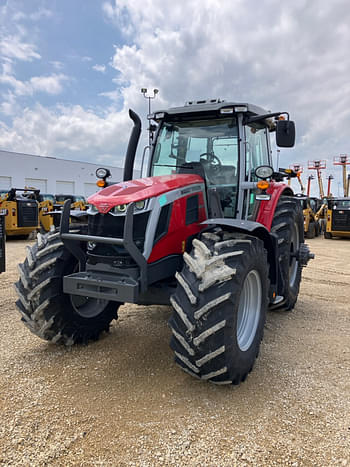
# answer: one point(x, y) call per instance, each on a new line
point(137, 190)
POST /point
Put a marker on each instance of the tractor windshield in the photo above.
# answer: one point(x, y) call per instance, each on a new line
point(206, 147)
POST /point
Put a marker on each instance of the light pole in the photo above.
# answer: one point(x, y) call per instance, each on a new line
point(149, 97)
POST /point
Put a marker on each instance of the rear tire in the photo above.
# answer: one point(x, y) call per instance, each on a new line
point(288, 224)
point(220, 307)
point(47, 311)
point(318, 228)
point(311, 231)
point(328, 235)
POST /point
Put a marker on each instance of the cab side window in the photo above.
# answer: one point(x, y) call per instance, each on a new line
point(257, 149)
point(257, 153)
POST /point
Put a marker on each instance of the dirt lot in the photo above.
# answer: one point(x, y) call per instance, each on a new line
point(123, 402)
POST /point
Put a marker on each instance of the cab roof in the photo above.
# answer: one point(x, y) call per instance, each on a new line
point(212, 105)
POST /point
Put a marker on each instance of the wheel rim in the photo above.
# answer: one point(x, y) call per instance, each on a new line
point(87, 307)
point(249, 310)
point(294, 246)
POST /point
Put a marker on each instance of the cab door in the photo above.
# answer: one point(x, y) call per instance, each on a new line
point(257, 153)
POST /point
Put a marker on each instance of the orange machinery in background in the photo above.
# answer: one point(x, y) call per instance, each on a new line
point(343, 160)
point(318, 165)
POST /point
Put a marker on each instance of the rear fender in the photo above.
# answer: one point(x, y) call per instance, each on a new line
point(260, 231)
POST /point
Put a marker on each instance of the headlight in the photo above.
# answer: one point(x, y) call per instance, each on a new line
point(120, 208)
point(140, 204)
point(264, 171)
point(102, 173)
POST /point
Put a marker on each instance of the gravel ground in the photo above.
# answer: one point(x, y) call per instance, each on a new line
point(123, 402)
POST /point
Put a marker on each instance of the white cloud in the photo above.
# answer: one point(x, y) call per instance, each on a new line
point(9, 106)
point(40, 13)
point(12, 46)
point(100, 68)
point(68, 132)
point(52, 84)
point(35, 16)
point(114, 96)
point(57, 64)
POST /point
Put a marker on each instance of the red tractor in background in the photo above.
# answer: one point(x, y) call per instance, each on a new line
point(212, 230)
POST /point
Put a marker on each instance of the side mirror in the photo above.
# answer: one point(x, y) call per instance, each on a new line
point(285, 133)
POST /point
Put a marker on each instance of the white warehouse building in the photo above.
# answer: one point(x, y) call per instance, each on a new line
point(50, 174)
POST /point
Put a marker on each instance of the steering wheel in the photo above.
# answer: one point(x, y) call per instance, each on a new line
point(211, 159)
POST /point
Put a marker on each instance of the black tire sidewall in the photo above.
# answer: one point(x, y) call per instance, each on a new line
point(293, 217)
point(242, 361)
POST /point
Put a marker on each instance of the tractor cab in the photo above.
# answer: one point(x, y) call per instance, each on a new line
point(222, 142)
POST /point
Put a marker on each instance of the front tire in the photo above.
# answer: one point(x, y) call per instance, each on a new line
point(220, 307)
point(288, 225)
point(47, 311)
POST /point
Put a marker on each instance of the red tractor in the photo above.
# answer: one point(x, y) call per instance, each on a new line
point(211, 230)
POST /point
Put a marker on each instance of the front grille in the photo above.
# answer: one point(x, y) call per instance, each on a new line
point(106, 225)
point(27, 213)
point(341, 220)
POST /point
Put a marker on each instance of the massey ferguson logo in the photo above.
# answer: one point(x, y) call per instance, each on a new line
point(103, 207)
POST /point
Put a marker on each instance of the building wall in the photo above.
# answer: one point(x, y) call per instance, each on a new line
point(51, 175)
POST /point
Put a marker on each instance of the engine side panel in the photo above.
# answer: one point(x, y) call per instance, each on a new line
point(188, 211)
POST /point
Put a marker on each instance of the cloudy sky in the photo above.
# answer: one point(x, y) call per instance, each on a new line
point(70, 69)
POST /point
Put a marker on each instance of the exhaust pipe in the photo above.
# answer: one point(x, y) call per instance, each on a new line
point(132, 146)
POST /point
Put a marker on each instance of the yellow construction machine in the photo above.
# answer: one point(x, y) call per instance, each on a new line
point(338, 218)
point(313, 208)
point(21, 211)
point(338, 209)
point(46, 207)
point(77, 202)
point(313, 211)
point(78, 209)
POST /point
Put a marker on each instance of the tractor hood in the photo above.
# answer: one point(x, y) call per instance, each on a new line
point(140, 189)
